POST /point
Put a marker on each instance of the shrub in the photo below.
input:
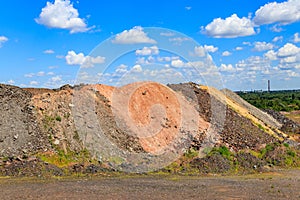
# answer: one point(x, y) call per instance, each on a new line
point(58, 118)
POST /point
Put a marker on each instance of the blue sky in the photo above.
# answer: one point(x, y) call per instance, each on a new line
point(242, 43)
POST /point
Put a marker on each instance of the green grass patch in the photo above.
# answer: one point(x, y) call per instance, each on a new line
point(62, 159)
point(223, 150)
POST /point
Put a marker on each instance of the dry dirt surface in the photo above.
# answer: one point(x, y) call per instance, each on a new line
point(280, 185)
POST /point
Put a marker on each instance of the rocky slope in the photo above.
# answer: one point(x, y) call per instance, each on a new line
point(141, 118)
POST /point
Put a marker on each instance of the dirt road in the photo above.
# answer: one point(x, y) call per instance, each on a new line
point(283, 185)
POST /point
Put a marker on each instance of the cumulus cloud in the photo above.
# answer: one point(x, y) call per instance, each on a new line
point(283, 13)
point(271, 55)
point(238, 48)
point(296, 38)
point(288, 60)
point(288, 50)
point(61, 14)
point(226, 53)
point(137, 68)
point(3, 39)
point(136, 35)
point(177, 63)
point(231, 27)
point(262, 46)
point(201, 50)
point(226, 68)
point(210, 48)
point(147, 51)
point(73, 58)
point(288, 56)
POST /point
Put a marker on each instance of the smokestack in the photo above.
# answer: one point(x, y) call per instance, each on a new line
point(269, 86)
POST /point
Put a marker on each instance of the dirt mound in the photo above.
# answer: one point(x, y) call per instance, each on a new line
point(19, 127)
point(263, 116)
point(288, 125)
point(236, 131)
point(143, 117)
point(156, 114)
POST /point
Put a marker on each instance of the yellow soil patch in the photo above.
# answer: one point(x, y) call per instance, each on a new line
point(242, 111)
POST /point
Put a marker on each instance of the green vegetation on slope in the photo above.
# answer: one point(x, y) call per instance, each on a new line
point(222, 160)
point(275, 100)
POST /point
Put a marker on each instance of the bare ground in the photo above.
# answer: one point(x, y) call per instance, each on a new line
point(279, 185)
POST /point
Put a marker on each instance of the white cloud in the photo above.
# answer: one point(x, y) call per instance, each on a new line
point(135, 35)
point(60, 56)
point(276, 28)
point(188, 7)
point(247, 43)
point(288, 50)
point(227, 68)
point(41, 73)
point(288, 60)
point(75, 59)
point(231, 27)
point(292, 73)
point(145, 60)
point(33, 83)
point(179, 40)
point(29, 75)
point(50, 73)
point(177, 63)
point(283, 13)
point(271, 55)
point(239, 48)
point(278, 38)
point(3, 39)
point(85, 61)
point(199, 51)
point(137, 68)
point(288, 56)
point(56, 78)
point(146, 51)
point(121, 69)
point(262, 46)
point(62, 14)
point(11, 82)
point(167, 58)
point(210, 48)
point(226, 53)
point(48, 51)
point(296, 38)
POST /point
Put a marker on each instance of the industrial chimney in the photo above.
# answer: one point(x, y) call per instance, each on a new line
point(269, 86)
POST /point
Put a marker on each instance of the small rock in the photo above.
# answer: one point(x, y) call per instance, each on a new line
point(56, 142)
point(16, 136)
